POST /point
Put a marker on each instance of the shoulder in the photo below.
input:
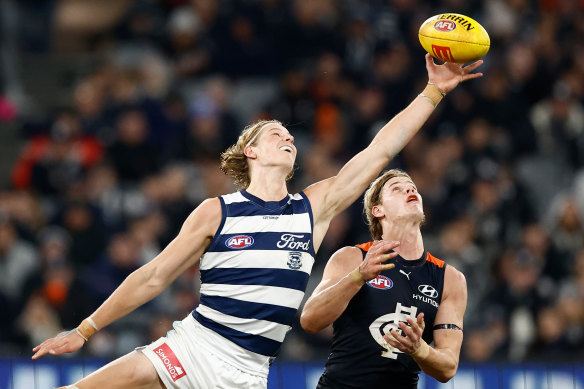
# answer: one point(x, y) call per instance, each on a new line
point(207, 216)
point(346, 257)
point(454, 282)
point(210, 206)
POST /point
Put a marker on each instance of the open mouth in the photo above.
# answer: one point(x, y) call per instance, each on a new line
point(412, 198)
point(286, 148)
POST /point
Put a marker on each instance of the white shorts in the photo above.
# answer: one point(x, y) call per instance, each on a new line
point(184, 359)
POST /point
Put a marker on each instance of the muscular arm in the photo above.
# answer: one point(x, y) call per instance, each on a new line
point(151, 279)
point(440, 361)
point(331, 297)
point(333, 195)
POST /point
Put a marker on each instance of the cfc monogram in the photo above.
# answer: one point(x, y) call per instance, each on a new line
point(288, 241)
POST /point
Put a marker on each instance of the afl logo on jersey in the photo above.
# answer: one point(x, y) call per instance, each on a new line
point(428, 290)
point(239, 242)
point(381, 282)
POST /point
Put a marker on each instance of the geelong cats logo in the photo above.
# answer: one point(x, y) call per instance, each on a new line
point(294, 260)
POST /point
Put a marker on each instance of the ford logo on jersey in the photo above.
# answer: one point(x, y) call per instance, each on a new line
point(239, 242)
point(381, 282)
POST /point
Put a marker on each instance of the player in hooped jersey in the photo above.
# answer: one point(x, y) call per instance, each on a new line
point(389, 299)
point(256, 249)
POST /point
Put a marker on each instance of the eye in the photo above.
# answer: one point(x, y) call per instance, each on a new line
point(395, 189)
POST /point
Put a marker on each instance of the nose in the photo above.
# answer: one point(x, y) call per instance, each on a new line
point(410, 189)
point(290, 138)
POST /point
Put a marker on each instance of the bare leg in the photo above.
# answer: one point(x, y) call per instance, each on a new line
point(133, 370)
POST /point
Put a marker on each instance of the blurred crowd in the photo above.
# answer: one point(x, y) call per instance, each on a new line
point(103, 184)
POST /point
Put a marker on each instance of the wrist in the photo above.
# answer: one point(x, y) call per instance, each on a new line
point(433, 93)
point(356, 276)
point(422, 352)
point(87, 328)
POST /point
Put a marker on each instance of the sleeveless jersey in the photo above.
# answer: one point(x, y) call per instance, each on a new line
point(255, 271)
point(360, 357)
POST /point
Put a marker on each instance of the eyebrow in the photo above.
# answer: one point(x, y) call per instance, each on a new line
point(278, 129)
point(401, 182)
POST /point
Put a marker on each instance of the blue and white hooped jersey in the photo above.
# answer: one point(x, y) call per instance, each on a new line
point(255, 271)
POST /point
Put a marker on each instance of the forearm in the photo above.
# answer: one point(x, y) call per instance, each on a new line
point(324, 307)
point(439, 363)
point(393, 137)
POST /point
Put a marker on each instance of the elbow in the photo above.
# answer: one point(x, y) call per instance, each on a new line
point(446, 375)
point(308, 323)
point(149, 277)
point(444, 378)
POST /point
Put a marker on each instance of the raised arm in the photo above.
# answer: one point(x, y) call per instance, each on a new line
point(333, 195)
point(440, 361)
point(344, 275)
point(149, 280)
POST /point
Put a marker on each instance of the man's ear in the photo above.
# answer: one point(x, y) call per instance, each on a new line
point(377, 211)
point(249, 152)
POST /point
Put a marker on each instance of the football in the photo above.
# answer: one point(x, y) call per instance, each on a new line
point(454, 38)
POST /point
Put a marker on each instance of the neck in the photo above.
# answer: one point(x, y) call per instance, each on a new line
point(408, 233)
point(268, 187)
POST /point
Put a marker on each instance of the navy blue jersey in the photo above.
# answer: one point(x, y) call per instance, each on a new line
point(360, 357)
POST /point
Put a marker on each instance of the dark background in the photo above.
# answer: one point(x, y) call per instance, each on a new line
point(113, 115)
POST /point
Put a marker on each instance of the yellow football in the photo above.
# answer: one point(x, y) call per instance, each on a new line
point(454, 38)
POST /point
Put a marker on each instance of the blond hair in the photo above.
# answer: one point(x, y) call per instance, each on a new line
point(233, 160)
point(372, 198)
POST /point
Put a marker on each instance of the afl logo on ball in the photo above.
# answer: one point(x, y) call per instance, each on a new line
point(445, 25)
point(239, 242)
point(381, 282)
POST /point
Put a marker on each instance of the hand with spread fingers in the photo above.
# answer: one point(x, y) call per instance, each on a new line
point(373, 264)
point(65, 342)
point(448, 75)
point(412, 343)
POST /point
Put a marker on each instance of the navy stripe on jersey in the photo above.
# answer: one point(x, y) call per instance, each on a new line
point(223, 213)
point(292, 279)
point(256, 343)
point(243, 209)
point(246, 309)
point(307, 201)
point(269, 241)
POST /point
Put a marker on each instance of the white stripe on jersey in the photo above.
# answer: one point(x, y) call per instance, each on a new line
point(269, 259)
point(299, 223)
point(236, 197)
point(262, 294)
point(268, 329)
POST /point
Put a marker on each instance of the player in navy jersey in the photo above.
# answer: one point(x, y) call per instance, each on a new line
point(389, 299)
point(256, 249)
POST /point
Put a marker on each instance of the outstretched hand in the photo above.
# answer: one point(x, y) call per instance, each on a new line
point(448, 75)
point(65, 342)
point(373, 264)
